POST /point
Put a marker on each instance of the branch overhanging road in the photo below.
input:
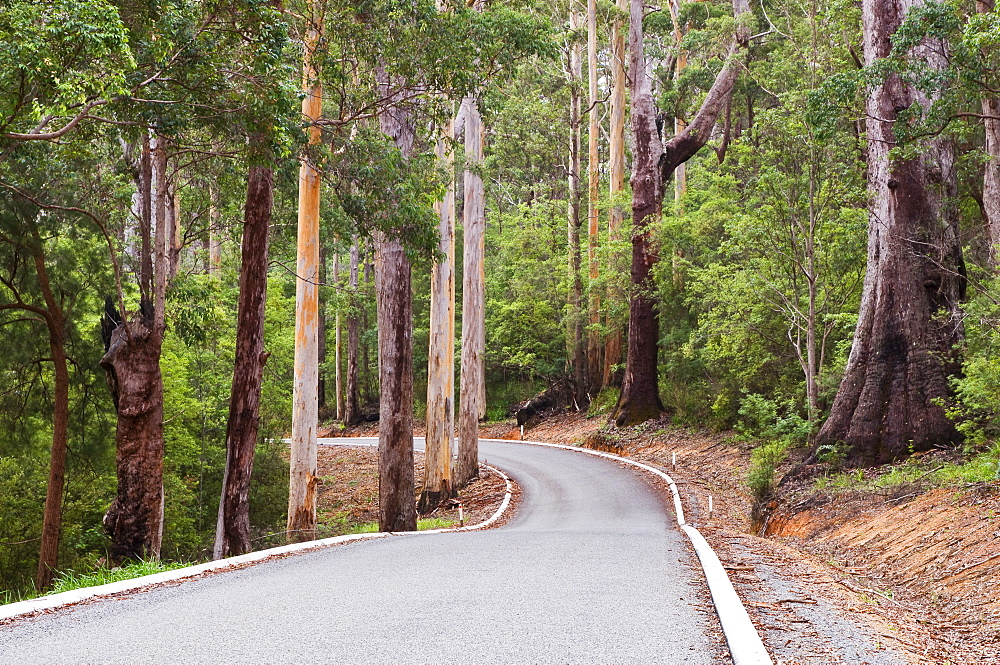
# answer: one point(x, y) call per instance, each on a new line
point(591, 569)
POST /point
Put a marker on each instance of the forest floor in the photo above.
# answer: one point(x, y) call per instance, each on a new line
point(840, 574)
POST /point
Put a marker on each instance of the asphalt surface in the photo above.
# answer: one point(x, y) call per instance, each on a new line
point(591, 569)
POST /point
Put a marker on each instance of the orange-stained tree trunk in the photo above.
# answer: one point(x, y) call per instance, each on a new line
point(616, 168)
point(303, 482)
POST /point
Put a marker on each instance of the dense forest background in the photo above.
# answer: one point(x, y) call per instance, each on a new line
point(762, 240)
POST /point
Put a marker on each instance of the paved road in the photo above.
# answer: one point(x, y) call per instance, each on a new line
point(590, 570)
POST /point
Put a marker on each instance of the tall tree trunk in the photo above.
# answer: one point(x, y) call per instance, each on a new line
point(472, 379)
point(132, 365)
point(321, 332)
point(891, 399)
point(991, 174)
point(396, 506)
point(302, 479)
point(595, 373)
point(654, 162)
point(214, 229)
point(174, 226)
point(574, 330)
point(232, 535)
point(616, 167)
point(145, 187)
point(338, 377)
point(352, 411)
point(437, 484)
point(48, 558)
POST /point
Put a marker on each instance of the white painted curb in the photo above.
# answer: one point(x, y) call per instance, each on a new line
point(77, 595)
point(743, 639)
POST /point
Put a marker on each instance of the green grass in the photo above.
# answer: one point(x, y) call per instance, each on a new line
point(427, 524)
point(981, 467)
point(69, 580)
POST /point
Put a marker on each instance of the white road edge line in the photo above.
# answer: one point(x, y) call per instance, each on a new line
point(742, 637)
point(58, 600)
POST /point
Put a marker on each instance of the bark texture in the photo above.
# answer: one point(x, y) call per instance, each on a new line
point(396, 506)
point(991, 174)
point(48, 559)
point(352, 412)
point(653, 164)
point(575, 328)
point(437, 485)
point(616, 184)
point(302, 472)
point(132, 366)
point(890, 401)
point(472, 379)
point(595, 369)
point(232, 536)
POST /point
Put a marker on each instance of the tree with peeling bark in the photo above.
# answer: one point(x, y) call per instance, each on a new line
point(595, 369)
point(472, 378)
point(616, 184)
point(892, 398)
point(654, 162)
point(437, 482)
point(575, 341)
point(303, 483)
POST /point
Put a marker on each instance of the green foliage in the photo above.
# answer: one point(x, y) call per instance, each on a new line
point(764, 462)
point(762, 418)
point(603, 402)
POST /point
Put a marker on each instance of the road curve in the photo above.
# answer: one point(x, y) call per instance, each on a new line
point(591, 569)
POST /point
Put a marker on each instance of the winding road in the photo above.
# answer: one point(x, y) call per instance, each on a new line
point(591, 569)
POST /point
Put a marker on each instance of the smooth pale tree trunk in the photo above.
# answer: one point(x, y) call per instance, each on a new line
point(321, 332)
point(575, 329)
point(132, 365)
point(303, 482)
point(394, 296)
point(991, 174)
point(145, 186)
point(654, 161)
point(437, 485)
point(595, 373)
point(472, 379)
point(616, 169)
point(232, 535)
point(338, 377)
point(892, 398)
point(214, 230)
point(351, 406)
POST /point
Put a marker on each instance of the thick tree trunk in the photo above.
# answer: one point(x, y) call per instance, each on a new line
point(575, 330)
point(616, 167)
point(232, 535)
point(437, 485)
point(302, 472)
point(397, 508)
point(472, 379)
point(132, 364)
point(891, 399)
point(352, 412)
point(654, 162)
point(595, 368)
point(48, 559)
